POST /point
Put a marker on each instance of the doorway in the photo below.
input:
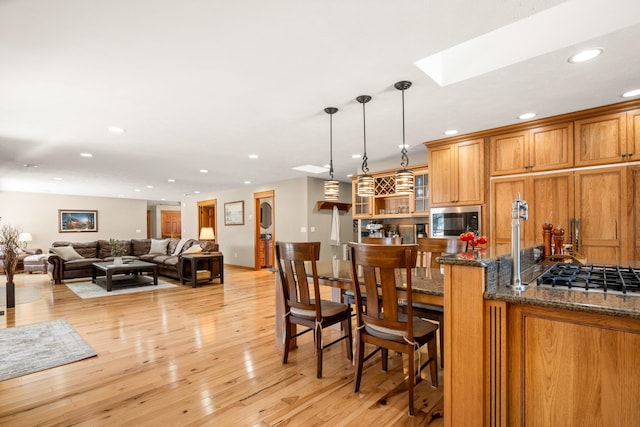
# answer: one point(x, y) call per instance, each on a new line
point(207, 216)
point(264, 203)
point(170, 224)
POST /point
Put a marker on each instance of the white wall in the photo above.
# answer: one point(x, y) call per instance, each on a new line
point(37, 213)
point(294, 206)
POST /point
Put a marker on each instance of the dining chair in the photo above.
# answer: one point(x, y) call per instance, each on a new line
point(379, 320)
point(302, 302)
point(428, 250)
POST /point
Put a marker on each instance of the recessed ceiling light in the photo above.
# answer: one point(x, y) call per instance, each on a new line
point(349, 175)
point(149, 186)
point(405, 146)
point(247, 182)
point(203, 171)
point(451, 132)
point(585, 55)
point(58, 178)
point(356, 156)
point(163, 199)
point(30, 165)
point(137, 190)
point(171, 180)
point(196, 192)
point(310, 169)
point(253, 156)
point(631, 93)
point(526, 116)
point(86, 154)
point(115, 129)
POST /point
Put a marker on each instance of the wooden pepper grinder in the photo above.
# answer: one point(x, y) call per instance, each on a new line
point(546, 239)
point(558, 238)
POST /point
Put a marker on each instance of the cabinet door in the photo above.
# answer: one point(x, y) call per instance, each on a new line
point(600, 203)
point(469, 172)
point(600, 140)
point(635, 213)
point(633, 136)
point(441, 172)
point(551, 147)
point(421, 197)
point(509, 153)
point(503, 192)
point(362, 206)
point(550, 199)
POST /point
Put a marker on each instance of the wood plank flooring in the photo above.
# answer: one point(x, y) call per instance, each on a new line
point(204, 356)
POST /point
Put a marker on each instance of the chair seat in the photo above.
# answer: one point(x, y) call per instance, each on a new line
point(421, 328)
point(327, 309)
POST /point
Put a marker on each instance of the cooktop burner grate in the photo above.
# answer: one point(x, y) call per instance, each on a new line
point(592, 277)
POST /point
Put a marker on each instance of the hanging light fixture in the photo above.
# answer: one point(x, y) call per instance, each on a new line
point(404, 176)
point(331, 187)
point(364, 187)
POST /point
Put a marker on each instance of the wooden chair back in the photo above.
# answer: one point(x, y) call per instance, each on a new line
point(383, 240)
point(378, 264)
point(429, 249)
point(293, 260)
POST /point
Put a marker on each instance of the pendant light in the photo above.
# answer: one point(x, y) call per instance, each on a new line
point(331, 187)
point(404, 176)
point(364, 187)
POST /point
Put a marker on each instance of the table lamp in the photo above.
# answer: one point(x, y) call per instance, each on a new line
point(25, 238)
point(207, 235)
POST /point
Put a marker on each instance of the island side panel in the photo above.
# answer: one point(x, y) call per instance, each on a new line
point(464, 345)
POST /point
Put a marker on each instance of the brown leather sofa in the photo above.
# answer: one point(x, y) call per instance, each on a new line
point(169, 265)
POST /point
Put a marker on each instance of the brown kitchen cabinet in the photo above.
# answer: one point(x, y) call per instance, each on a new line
point(421, 197)
point(362, 206)
point(532, 150)
point(633, 136)
point(601, 140)
point(457, 173)
point(634, 240)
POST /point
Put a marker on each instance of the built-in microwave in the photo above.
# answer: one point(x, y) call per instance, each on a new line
point(450, 222)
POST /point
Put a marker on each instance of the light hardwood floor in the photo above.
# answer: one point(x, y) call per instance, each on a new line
point(204, 356)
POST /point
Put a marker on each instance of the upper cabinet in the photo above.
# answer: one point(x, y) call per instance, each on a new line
point(633, 135)
point(386, 203)
point(533, 150)
point(601, 140)
point(457, 173)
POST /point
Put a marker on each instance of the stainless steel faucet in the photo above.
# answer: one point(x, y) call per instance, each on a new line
point(519, 210)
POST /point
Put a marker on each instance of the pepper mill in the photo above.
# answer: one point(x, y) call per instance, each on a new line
point(558, 238)
point(546, 238)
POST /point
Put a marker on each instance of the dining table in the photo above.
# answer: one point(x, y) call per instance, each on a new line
point(427, 285)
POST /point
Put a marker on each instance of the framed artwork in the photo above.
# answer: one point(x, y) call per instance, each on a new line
point(234, 213)
point(73, 221)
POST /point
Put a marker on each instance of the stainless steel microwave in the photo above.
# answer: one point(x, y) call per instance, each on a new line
point(450, 222)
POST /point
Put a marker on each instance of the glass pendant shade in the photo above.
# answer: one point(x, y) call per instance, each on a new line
point(404, 181)
point(331, 186)
point(331, 190)
point(365, 186)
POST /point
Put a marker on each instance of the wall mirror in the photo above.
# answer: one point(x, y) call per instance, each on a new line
point(265, 215)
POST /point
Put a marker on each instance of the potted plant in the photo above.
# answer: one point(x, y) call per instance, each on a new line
point(10, 245)
point(117, 250)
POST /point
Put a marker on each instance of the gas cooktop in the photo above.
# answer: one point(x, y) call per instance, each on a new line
point(604, 278)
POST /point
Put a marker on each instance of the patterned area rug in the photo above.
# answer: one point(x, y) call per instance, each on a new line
point(32, 348)
point(86, 289)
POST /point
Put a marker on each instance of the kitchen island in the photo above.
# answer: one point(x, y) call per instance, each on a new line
point(539, 356)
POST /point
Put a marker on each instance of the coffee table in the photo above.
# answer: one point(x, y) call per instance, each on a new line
point(133, 268)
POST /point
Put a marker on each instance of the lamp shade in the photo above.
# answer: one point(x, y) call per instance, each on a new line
point(25, 237)
point(206, 233)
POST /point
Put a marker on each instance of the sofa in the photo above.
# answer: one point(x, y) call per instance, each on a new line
point(71, 260)
point(22, 254)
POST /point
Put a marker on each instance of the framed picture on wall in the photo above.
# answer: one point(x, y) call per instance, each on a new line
point(234, 213)
point(73, 221)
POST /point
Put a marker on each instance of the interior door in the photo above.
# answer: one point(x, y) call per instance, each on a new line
point(171, 224)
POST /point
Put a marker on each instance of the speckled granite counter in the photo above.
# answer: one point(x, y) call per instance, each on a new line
point(498, 271)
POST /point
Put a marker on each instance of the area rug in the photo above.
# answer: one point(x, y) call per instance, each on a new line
point(24, 294)
point(32, 348)
point(86, 289)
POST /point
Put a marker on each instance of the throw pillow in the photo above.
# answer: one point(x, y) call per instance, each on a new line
point(158, 247)
point(179, 246)
point(67, 253)
point(195, 249)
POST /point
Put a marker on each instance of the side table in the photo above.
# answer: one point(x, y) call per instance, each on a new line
point(208, 261)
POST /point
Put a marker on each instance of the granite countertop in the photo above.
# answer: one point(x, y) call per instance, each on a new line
point(498, 270)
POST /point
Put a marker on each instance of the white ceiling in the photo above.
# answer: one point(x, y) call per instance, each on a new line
point(202, 84)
